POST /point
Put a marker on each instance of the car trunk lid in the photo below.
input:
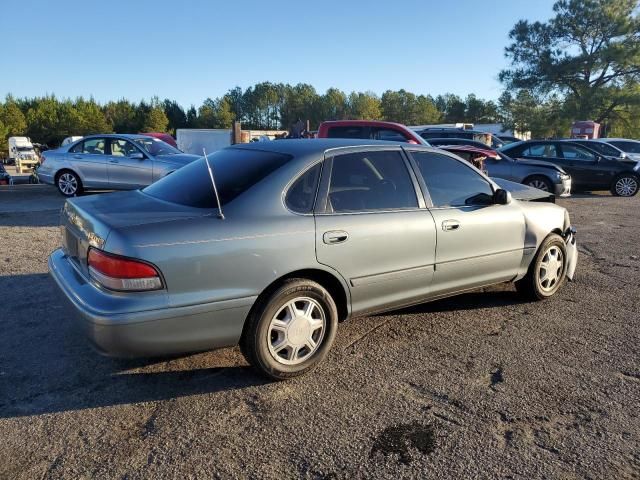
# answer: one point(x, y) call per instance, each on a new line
point(87, 221)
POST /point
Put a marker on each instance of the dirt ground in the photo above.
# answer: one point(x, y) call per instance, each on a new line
point(482, 385)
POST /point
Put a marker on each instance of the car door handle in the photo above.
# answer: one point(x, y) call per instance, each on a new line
point(335, 236)
point(448, 225)
point(114, 161)
point(78, 157)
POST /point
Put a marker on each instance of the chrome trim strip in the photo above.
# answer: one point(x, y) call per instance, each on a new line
point(393, 275)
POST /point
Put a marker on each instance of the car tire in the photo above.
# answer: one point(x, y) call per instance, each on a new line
point(540, 182)
point(68, 183)
point(290, 330)
point(545, 276)
point(625, 185)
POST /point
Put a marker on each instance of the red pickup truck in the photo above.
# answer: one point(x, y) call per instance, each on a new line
point(369, 129)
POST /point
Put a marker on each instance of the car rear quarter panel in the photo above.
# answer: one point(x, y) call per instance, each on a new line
point(208, 259)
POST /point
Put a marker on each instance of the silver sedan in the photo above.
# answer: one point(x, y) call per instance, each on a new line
point(110, 162)
point(271, 245)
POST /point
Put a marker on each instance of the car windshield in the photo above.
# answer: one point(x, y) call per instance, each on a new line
point(235, 171)
point(155, 146)
point(24, 149)
point(629, 147)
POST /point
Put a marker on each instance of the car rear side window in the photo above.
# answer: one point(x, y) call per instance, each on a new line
point(377, 180)
point(349, 132)
point(302, 193)
point(390, 135)
point(450, 182)
point(94, 146)
point(235, 171)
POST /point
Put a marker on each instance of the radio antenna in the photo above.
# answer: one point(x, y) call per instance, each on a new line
point(213, 182)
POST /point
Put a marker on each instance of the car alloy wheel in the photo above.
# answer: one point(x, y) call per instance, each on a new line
point(626, 186)
point(296, 331)
point(68, 184)
point(539, 184)
point(551, 269)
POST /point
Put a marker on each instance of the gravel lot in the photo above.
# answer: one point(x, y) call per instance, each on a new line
point(482, 385)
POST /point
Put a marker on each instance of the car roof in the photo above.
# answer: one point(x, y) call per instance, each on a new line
point(618, 140)
point(363, 123)
point(132, 136)
point(309, 146)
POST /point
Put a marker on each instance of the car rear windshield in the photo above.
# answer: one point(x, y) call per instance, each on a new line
point(235, 171)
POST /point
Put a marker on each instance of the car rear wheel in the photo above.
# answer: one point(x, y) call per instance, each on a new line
point(291, 330)
point(547, 271)
point(541, 183)
point(625, 185)
point(68, 183)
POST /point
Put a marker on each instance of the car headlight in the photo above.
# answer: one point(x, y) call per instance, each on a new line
point(637, 167)
point(563, 176)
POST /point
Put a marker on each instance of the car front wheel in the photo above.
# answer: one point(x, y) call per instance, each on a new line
point(289, 332)
point(69, 183)
point(625, 185)
point(541, 183)
point(547, 271)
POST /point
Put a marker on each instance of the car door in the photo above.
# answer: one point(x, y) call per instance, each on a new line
point(372, 228)
point(479, 242)
point(89, 159)
point(128, 167)
point(585, 167)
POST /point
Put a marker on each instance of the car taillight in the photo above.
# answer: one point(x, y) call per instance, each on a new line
point(122, 273)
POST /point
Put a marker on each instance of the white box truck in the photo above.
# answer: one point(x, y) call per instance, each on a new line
point(193, 140)
point(22, 153)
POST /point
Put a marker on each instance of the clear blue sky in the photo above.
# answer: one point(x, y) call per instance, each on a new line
point(190, 50)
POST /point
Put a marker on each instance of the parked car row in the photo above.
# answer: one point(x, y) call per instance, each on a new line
point(120, 162)
point(554, 166)
point(589, 169)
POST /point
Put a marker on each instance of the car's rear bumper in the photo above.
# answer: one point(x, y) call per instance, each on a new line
point(116, 329)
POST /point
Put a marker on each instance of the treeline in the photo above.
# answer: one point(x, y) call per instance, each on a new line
point(268, 106)
point(264, 106)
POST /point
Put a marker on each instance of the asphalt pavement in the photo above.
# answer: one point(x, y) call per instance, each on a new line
point(483, 385)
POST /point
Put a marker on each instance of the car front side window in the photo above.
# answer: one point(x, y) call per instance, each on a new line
point(122, 148)
point(574, 152)
point(373, 180)
point(450, 182)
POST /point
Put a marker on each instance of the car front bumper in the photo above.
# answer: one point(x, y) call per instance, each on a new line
point(563, 189)
point(45, 177)
point(115, 328)
point(572, 251)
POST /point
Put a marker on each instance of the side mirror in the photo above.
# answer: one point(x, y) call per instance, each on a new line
point(501, 197)
point(136, 156)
